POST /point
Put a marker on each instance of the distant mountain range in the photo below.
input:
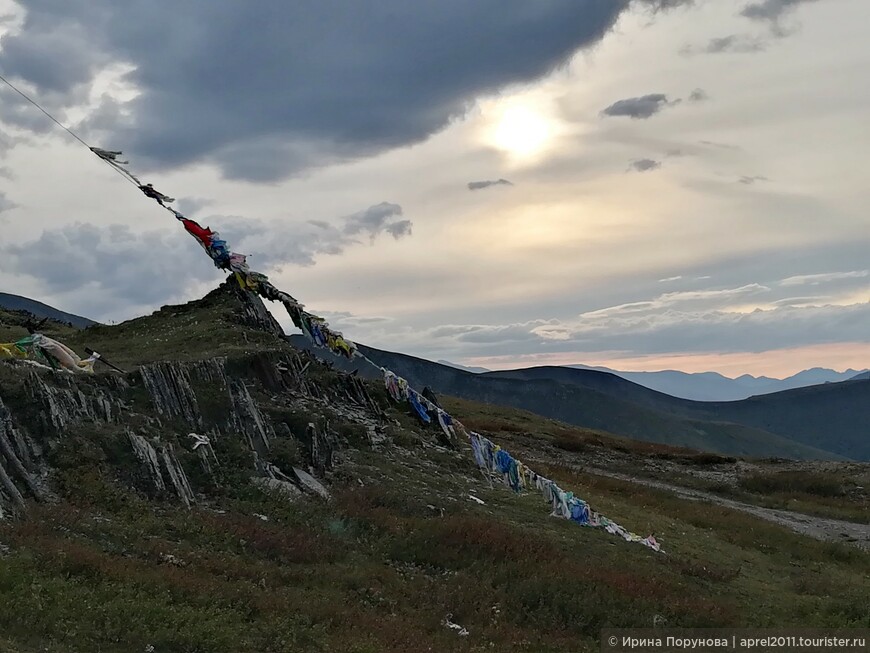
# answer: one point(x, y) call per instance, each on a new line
point(40, 310)
point(712, 386)
point(473, 370)
point(819, 422)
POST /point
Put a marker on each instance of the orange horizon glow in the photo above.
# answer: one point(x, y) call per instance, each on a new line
point(777, 363)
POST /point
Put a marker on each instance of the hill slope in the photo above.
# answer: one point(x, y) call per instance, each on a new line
point(605, 402)
point(40, 310)
point(832, 416)
point(136, 540)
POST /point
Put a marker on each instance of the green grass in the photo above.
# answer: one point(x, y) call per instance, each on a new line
point(836, 490)
point(114, 565)
point(200, 329)
point(377, 569)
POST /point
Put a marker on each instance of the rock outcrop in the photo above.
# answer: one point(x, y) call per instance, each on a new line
point(150, 418)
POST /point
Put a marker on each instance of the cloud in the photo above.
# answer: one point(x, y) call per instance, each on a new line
point(738, 43)
point(721, 146)
point(376, 220)
point(477, 185)
point(671, 299)
point(348, 319)
point(108, 269)
point(5, 203)
point(698, 95)
point(676, 278)
point(644, 165)
point(690, 321)
point(264, 91)
point(272, 244)
point(816, 279)
point(770, 10)
point(51, 58)
point(192, 205)
point(772, 13)
point(487, 334)
point(399, 229)
point(664, 5)
point(748, 181)
point(639, 108)
point(719, 330)
point(766, 11)
point(814, 300)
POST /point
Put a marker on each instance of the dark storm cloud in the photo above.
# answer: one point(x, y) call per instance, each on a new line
point(268, 88)
point(478, 185)
point(51, 57)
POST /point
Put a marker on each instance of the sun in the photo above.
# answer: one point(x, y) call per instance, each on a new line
point(521, 131)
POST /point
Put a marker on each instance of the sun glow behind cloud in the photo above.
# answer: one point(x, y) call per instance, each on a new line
point(521, 132)
point(523, 127)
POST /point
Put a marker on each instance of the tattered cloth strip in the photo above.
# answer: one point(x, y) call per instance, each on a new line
point(56, 354)
point(494, 459)
point(491, 458)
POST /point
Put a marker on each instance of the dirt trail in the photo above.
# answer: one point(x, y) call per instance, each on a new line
point(820, 528)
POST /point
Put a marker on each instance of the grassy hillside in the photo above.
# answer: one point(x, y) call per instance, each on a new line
point(211, 326)
point(828, 416)
point(113, 565)
point(614, 405)
point(40, 310)
point(398, 549)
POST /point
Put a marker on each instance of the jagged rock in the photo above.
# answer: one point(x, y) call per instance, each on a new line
point(9, 457)
point(177, 475)
point(149, 457)
point(254, 312)
point(322, 449)
point(310, 483)
point(283, 489)
point(63, 402)
point(248, 420)
point(10, 492)
point(171, 392)
point(155, 406)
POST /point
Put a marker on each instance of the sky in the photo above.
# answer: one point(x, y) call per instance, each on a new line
point(639, 184)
